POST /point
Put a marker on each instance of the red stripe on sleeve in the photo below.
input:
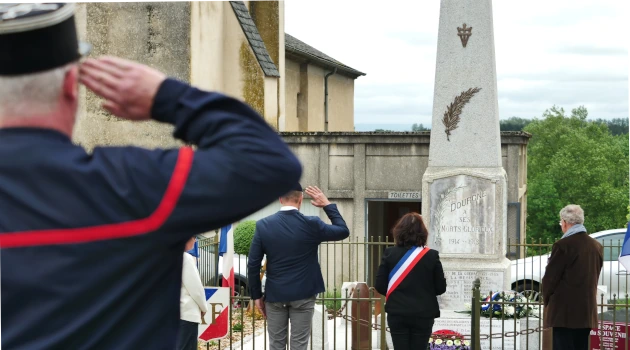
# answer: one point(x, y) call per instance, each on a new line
point(111, 231)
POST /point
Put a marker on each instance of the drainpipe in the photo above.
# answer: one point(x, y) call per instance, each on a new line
point(326, 98)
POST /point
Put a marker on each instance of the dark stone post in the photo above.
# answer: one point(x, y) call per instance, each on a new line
point(361, 318)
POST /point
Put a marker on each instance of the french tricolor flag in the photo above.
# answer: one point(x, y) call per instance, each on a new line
point(226, 250)
point(624, 255)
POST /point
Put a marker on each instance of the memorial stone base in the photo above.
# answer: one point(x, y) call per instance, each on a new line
point(461, 323)
point(460, 275)
point(467, 215)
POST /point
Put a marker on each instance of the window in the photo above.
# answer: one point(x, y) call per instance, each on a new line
point(612, 245)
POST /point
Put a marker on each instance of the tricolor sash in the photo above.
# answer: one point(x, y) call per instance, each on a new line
point(404, 266)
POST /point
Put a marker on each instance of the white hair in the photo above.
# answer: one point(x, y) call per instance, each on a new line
point(31, 94)
point(572, 214)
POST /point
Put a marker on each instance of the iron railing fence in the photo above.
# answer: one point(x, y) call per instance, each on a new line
point(355, 315)
point(357, 261)
point(611, 333)
point(527, 272)
point(350, 260)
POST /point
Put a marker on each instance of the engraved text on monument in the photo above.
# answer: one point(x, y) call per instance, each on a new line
point(463, 215)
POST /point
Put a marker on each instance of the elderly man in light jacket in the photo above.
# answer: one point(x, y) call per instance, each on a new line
point(192, 303)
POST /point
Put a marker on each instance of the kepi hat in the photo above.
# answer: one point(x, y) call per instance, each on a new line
point(38, 37)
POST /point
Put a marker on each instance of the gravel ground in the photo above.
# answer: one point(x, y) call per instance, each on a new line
point(237, 334)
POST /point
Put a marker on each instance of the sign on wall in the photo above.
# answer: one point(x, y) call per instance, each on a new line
point(404, 195)
point(217, 317)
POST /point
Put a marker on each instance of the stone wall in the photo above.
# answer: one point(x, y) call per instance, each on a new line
point(340, 103)
point(207, 58)
point(159, 37)
point(305, 98)
point(198, 42)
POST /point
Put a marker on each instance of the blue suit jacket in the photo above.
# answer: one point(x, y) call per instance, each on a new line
point(291, 240)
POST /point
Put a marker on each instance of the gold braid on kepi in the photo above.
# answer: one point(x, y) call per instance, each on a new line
point(38, 37)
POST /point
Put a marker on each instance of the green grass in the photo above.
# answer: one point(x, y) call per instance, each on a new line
point(237, 327)
point(332, 304)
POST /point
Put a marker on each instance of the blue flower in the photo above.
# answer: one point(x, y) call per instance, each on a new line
point(495, 307)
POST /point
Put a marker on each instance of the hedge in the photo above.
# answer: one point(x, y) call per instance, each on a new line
point(243, 236)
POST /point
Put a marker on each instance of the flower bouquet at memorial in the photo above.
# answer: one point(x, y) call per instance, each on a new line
point(507, 304)
point(445, 339)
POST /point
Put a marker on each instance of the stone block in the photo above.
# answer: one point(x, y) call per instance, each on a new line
point(309, 157)
point(394, 172)
point(160, 38)
point(339, 168)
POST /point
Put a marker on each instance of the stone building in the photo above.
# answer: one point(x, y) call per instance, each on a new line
point(312, 77)
point(236, 47)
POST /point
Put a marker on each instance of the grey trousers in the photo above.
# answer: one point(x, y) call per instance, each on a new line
point(300, 313)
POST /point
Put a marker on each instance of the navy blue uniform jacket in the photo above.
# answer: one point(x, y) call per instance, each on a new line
point(290, 240)
point(91, 244)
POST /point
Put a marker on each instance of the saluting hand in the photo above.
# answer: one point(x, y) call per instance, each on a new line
point(128, 87)
point(319, 199)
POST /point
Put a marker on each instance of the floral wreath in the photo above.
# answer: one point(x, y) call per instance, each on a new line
point(516, 305)
point(447, 339)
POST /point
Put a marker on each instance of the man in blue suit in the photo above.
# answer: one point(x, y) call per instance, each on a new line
point(294, 278)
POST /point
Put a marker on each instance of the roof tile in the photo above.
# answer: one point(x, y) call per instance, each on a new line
point(254, 39)
point(300, 48)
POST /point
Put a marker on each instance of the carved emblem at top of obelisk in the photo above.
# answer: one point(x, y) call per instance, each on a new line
point(464, 33)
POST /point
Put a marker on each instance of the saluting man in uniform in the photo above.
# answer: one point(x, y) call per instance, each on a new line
point(91, 243)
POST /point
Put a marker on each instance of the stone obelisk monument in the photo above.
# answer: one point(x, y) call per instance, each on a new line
point(464, 187)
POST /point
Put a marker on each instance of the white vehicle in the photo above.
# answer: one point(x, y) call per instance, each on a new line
point(240, 273)
point(527, 273)
point(210, 277)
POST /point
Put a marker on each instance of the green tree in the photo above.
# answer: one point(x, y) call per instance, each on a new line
point(543, 206)
point(514, 124)
point(419, 127)
point(617, 126)
point(575, 161)
point(243, 236)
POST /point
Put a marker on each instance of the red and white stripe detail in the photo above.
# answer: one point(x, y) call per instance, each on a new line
point(110, 231)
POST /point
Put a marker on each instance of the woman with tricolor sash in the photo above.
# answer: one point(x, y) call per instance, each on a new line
point(411, 277)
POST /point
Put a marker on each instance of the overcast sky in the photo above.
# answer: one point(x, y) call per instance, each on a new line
point(567, 53)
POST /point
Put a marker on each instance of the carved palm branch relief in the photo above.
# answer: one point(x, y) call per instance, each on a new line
point(454, 110)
